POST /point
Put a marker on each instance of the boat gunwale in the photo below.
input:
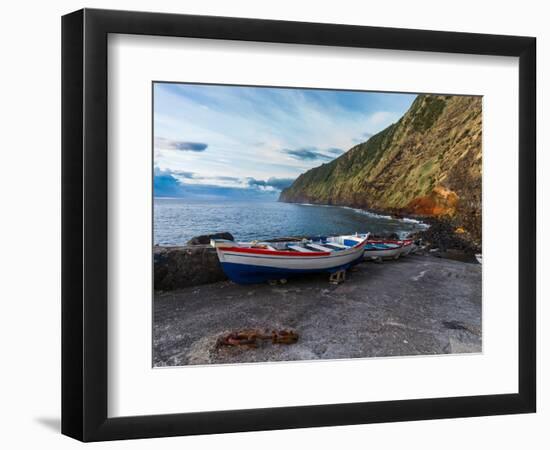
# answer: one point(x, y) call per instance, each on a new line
point(402, 242)
point(267, 252)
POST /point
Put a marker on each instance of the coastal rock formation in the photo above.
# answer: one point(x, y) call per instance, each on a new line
point(180, 267)
point(204, 239)
point(427, 164)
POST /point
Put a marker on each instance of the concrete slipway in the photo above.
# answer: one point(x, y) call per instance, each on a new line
point(416, 305)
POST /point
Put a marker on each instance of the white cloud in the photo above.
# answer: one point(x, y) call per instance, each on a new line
point(247, 130)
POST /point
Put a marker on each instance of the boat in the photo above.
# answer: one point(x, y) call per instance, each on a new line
point(408, 246)
point(386, 248)
point(257, 262)
point(382, 250)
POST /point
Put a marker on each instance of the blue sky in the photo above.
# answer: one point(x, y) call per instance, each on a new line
point(211, 139)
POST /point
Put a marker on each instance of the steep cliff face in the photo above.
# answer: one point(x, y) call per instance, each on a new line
point(426, 164)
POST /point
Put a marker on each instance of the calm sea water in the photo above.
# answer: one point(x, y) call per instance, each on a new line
point(178, 220)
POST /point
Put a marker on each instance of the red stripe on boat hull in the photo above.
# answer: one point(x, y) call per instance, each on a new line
point(267, 252)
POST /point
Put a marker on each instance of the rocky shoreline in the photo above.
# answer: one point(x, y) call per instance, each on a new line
point(444, 239)
point(445, 233)
point(427, 164)
point(196, 263)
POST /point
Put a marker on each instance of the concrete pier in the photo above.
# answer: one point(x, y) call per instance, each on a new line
point(418, 305)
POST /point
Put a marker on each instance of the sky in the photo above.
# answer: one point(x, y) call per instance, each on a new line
point(216, 140)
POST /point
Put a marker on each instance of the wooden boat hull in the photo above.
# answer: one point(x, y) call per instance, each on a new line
point(384, 251)
point(398, 248)
point(245, 265)
point(408, 247)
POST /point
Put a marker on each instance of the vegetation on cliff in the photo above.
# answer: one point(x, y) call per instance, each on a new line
point(426, 164)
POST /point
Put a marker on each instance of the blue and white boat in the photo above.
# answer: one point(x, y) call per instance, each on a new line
point(256, 262)
point(382, 250)
point(377, 249)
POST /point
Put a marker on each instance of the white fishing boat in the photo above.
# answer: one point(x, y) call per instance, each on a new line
point(408, 246)
point(386, 248)
point(256, 262)
point(382, 250)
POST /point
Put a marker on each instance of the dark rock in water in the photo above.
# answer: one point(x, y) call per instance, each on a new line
point(179, 267)
point(204, 239)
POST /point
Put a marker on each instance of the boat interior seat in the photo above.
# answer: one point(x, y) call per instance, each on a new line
point(320, 247)
point(297, 248)
point(336, 245)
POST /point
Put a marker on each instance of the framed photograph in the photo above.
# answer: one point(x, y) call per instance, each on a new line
point(273, 224)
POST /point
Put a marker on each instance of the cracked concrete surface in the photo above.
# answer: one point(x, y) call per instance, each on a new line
point(418, 305)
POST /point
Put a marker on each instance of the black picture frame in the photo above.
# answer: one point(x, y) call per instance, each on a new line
point(84, 224)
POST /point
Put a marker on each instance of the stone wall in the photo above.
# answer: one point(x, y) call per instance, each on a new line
point(180, 267)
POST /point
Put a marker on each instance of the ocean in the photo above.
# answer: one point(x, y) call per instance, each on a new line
point(177, 220)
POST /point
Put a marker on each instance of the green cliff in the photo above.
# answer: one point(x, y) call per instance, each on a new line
point(426, 164)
